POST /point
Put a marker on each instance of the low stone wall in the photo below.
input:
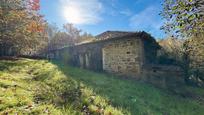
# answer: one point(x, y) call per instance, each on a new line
point(163, 76)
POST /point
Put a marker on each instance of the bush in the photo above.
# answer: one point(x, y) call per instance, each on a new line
point(194, 51)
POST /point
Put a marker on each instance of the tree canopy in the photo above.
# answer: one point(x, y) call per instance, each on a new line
point(183, 17)
point(22, 27)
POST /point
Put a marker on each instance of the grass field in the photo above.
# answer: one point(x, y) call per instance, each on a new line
point(41, 87)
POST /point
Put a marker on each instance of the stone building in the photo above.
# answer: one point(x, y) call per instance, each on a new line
point(125, 53)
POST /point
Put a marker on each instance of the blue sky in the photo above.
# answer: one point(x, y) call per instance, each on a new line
point(97, 16)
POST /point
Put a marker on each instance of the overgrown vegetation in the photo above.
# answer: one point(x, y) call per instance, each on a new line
point(185, 19)
point(171, 51)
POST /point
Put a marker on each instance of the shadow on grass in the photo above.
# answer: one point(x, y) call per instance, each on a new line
point(6, 65)
point(33, 86)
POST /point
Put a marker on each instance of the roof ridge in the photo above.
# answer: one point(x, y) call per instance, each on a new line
point(113, 34)
point(120, 31)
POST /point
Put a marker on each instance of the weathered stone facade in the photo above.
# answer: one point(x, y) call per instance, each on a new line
point(123, 56)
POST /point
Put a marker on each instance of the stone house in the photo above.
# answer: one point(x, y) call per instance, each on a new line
point(124, 53)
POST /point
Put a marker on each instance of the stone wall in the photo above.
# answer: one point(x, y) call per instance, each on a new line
point(123, 56)
point(163, 76)
point(87, 56)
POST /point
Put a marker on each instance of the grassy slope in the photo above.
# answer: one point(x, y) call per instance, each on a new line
point(135, 97)
point(39, 87)
point(25, 87)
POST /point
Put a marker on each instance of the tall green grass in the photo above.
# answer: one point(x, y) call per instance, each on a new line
point(33, 87)
point(135, 97)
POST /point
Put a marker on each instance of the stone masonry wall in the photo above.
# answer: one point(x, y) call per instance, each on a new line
point(87, 56)
point(123, 56)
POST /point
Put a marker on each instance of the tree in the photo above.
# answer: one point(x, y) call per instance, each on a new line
point(194, 60)
point(72, 31)
point(22, 27)
point(171, 51)
point(69, 36)
point(51, 30)
point(60, 40)
point(185, 18)
point(84, 38)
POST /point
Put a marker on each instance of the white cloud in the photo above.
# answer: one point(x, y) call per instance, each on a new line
point(148, 20)
point(126, 12)
point(82, 12)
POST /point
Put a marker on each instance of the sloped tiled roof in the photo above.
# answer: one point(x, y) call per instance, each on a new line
point(113, 34)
